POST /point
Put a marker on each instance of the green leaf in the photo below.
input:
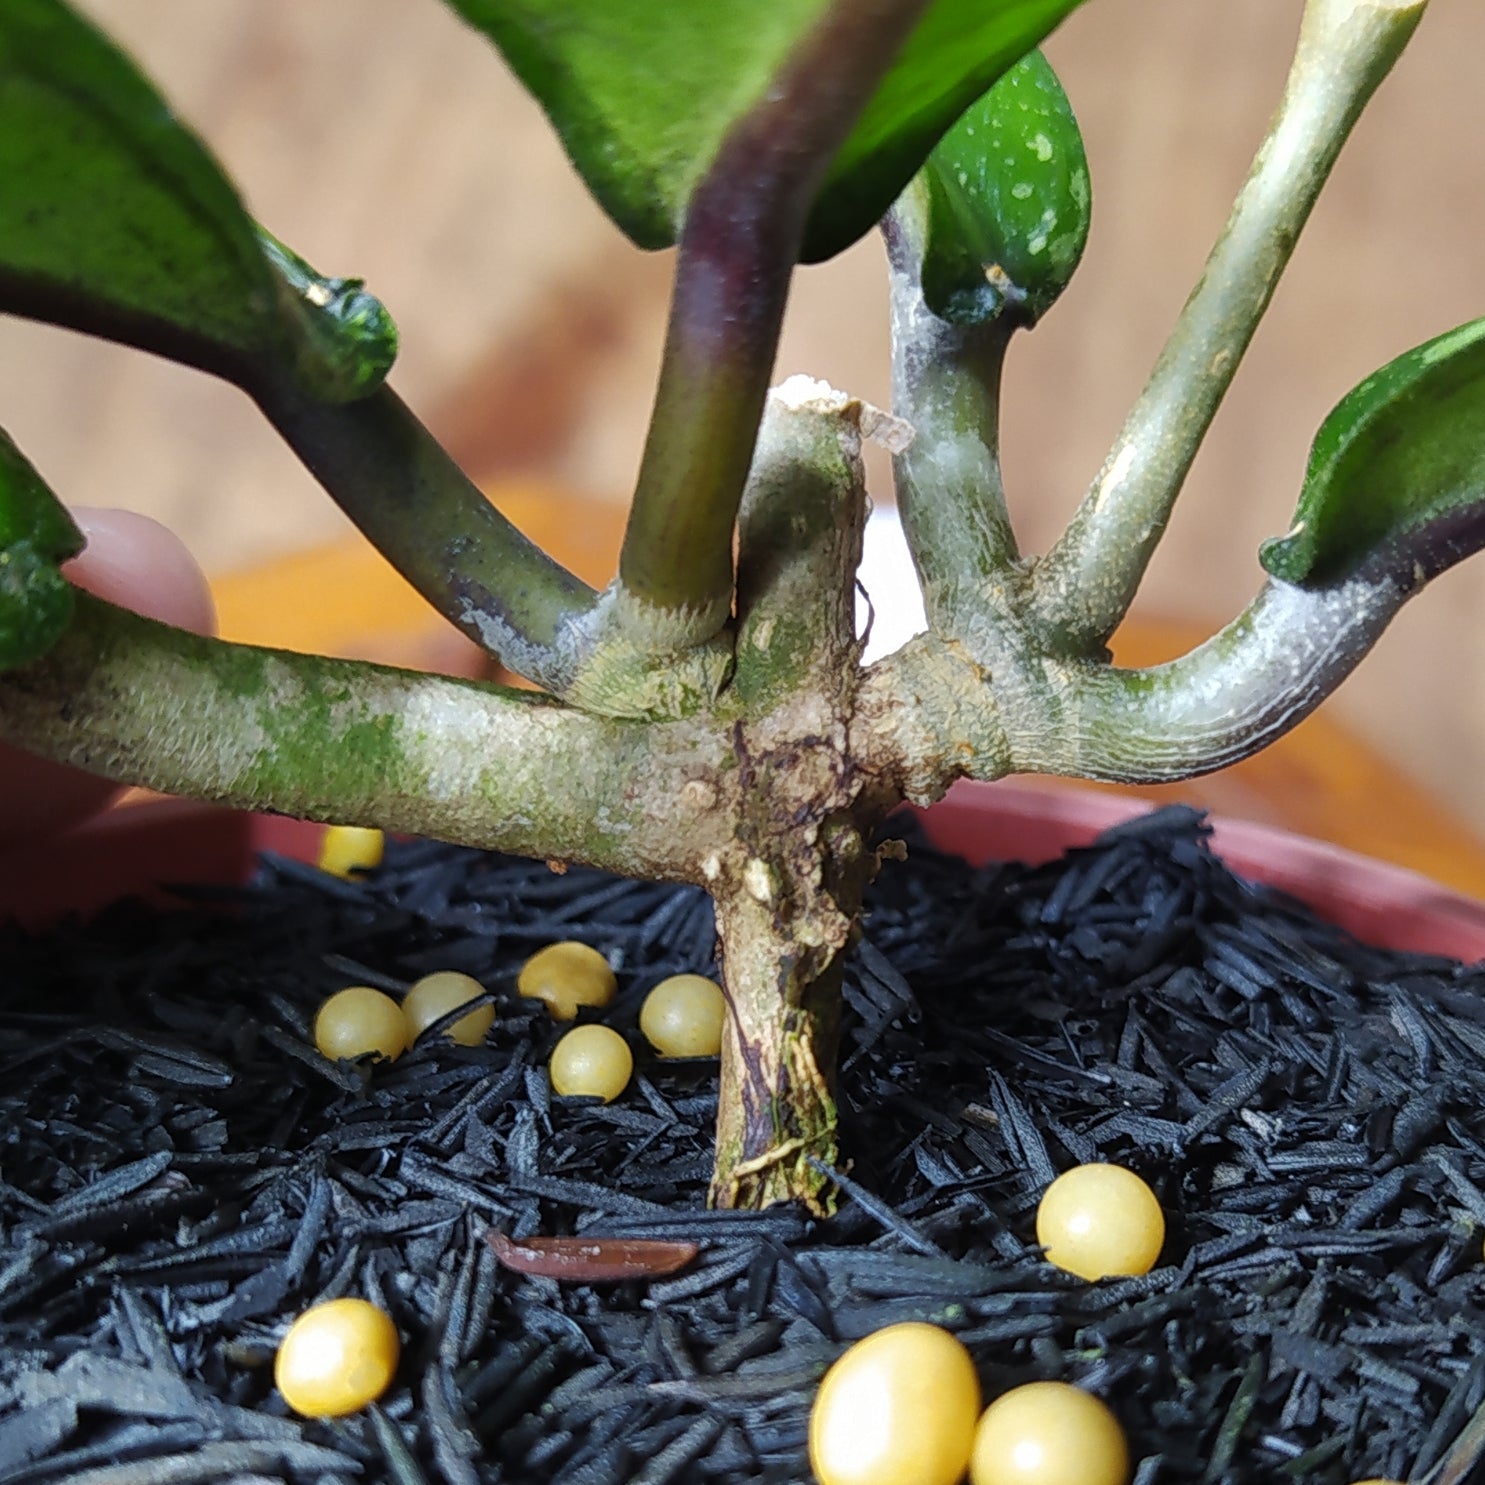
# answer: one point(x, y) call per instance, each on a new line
point(1005, 202)
point(36, 537)
point(643, 94)
point(958, 51)
point(1396, 480)
point(115, 220)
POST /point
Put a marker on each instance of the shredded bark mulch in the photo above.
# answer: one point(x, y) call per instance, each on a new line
point(181, 1174)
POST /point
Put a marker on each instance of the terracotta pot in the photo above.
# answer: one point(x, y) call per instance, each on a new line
point(135, 847)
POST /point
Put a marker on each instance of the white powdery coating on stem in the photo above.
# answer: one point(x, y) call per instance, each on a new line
point(550, 667)
point(1228, 698)
point(654, 626)
point(802, 393)
point(452, 740)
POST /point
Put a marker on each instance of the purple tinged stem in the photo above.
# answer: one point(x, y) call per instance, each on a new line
point(737, 253)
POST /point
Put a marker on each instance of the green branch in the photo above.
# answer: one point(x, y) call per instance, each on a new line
point(1087, 581)
point(142, 703)
point(799, 545)
point(989, 700)
point(741, 239)
point(1225, 700)
point(417, 507)
point(946, 384)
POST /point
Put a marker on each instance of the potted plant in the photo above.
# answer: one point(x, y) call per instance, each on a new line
point(706, 719)
point(703, 720)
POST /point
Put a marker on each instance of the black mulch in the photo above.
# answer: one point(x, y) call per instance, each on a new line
point(181, 1173)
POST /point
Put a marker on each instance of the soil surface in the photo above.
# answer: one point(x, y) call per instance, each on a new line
point(181, 1174)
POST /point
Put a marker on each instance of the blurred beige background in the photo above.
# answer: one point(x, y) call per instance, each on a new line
point(379, 138)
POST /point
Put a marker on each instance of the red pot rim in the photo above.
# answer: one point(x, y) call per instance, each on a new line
point(132, 848)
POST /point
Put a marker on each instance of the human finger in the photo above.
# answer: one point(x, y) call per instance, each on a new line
point(139, 564)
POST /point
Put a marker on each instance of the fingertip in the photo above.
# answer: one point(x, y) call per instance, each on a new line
point(135, 562)
point(139, 564)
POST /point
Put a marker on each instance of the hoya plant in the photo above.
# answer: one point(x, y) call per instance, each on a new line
point(708, 718)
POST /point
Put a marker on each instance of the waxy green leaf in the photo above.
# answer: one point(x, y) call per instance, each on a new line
point(1004, 202)
point(1396, 479)
point(115, 220)
point(643, 94)
point(957, 52)
point(36, 537)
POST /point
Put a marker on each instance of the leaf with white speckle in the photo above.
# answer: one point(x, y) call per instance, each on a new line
point(1003, 230)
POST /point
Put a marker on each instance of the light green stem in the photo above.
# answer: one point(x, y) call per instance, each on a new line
point(1225, 700)
point(142, 703)
point(1087, 581)
point(799, 542)
point(946, 384)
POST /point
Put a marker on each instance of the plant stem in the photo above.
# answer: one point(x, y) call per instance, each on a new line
point(1087, 581)
point(788, 906)
point(788, 892)
point(737, 253)
point(946, 384)
point(799, 545)
point(775, 1108)
point(143, 703)
point(1260, 676)
point(417, 507)
point(926, 715)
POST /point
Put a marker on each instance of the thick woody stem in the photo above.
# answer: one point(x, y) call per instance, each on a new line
point(788, 891)
point(799, 542)
point(142, 703)
point(776, 1113)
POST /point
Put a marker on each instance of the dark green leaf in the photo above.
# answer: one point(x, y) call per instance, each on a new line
point(1005, 202)
point(643, 94)
point(1396, 478)
point(36, 537)
point(115, 220)
point(959, 49)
